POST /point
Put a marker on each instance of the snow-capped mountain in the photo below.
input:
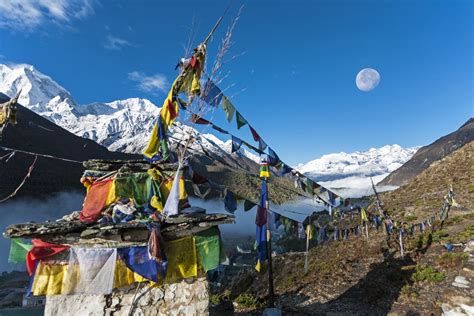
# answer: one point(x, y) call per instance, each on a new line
point(122, 125)
point(349, 173)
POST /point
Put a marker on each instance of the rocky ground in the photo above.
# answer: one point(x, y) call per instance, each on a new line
point(357, 277)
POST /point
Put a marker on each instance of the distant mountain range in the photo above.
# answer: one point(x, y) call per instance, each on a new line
point(125, 125)
point(349, 173)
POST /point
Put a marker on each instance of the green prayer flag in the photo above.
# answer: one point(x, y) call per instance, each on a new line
point(18, 251)
point(136, 186)
point(228, 108)
point(240, 120)
point(208, 248)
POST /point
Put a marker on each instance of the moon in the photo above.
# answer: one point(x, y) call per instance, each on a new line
point(367, 79)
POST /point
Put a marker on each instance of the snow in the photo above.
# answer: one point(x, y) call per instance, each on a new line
point(349, 173)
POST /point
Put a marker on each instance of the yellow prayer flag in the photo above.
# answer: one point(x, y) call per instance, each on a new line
point(363, 215)
point(310, 231)
point(182, 259)
point(48, 279)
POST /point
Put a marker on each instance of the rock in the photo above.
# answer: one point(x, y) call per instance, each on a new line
point(460, 285)
point(461, 279)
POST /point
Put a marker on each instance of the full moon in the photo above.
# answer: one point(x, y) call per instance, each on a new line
point(367, 79)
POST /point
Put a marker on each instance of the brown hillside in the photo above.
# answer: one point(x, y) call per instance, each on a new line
point(424, 194)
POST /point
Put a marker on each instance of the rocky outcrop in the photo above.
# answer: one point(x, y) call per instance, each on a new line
point(188, 297)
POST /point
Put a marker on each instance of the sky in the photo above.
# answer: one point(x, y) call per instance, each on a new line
point(290, 71)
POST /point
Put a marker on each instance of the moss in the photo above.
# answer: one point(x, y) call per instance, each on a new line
point(452, 259)
point(427, 273)
point(246, 300)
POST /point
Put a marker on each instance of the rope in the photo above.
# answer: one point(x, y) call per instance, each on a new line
point(40, 155)
point(30, 169)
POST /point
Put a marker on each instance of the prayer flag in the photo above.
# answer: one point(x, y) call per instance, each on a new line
point(220, 130)
point(228, 108)
point(199, 120)
point(261, 237)
point(273, 158)
point(95, 200)
point(208, 248)
point(90, 271)
point(212, 95)
point(137, 259)
point(230, 203)
point(241, 121)
point(236, 143)
point(172, 201)
point(261, 145)
point(18, 250)
point(248, 205)
point(41, 250)
point(255, 135)
point(182, 259)
point(363, 215)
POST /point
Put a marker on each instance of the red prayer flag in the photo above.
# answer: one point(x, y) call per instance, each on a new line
point(40, 250)
point(256, 137)
point(95, 200)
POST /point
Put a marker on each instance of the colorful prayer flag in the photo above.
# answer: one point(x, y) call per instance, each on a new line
point(211, 94)
point(208, 248)
point(18, 250)
point(228, 108)
point(241, 121)
point(236, 144)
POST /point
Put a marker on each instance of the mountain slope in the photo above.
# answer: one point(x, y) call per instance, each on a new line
point(425, 192)
point(426, 155)
point(34, 133)
point(350, 172)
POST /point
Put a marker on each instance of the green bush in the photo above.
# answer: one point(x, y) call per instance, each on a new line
point(453, 259)
point(427, 273)
point(249, 301)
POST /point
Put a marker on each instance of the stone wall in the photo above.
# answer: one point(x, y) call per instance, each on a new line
point(187, 297)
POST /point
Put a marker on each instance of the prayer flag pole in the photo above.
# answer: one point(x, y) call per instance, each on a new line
point(264, 175)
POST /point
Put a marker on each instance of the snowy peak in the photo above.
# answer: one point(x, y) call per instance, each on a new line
point(37, 89)
point(122, 125)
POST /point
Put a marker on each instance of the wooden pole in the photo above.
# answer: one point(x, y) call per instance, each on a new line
point(367, 230)
point(271, 293)
point(402, 251)
point(306, 254)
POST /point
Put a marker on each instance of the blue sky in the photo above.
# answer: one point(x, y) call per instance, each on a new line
point(294, 73)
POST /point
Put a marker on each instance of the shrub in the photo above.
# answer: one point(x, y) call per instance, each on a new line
point(249, 301)
point(453, 259)
point(427, 273)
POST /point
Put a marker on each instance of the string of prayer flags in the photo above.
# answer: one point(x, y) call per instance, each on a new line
point(236, 144)
point(220, 130)
point(241, 121)
point(228, 108)
point(95, 200)
point(262, 145)
point(212, 95)
point(18, 250)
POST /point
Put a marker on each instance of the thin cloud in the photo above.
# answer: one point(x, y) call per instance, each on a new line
point(151, 83)
point(27, 15)
point(116, 43)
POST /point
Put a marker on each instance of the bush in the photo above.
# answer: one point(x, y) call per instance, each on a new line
point(427, 273)
point(249, 301)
